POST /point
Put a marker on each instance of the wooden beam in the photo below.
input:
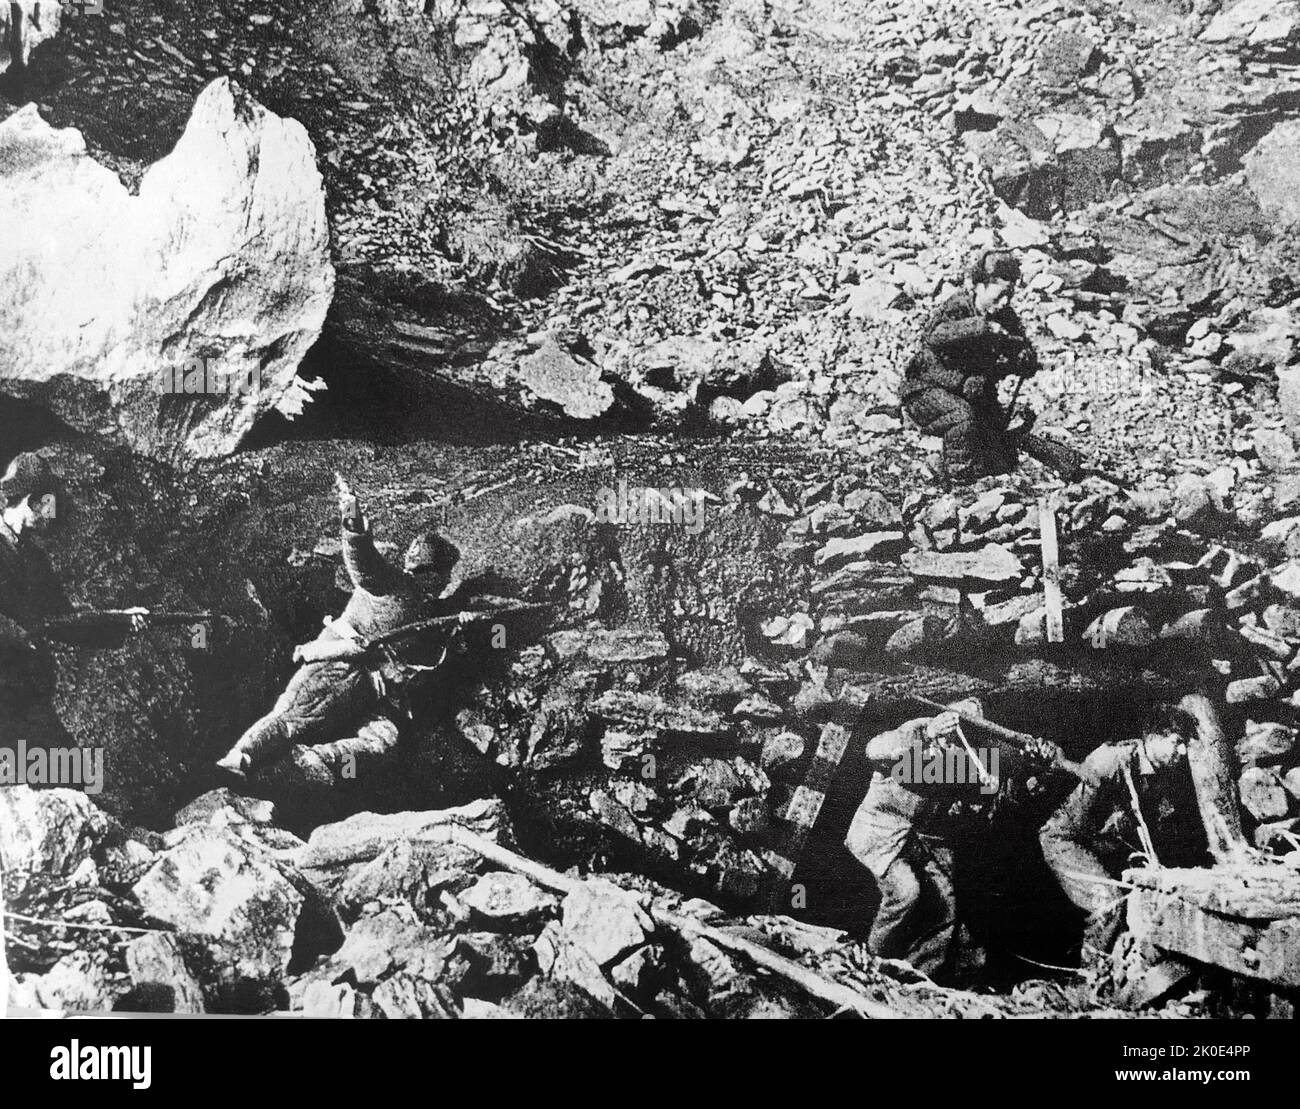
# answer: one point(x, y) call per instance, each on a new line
point(1054, 624)
point(1222, 917)
point(806, 803)
point(818, 986)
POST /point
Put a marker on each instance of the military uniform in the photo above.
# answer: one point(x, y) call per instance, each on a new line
point(900, 833)
point(28, 593)
point(950, 385)
point(345, 706)
point(1090, 838)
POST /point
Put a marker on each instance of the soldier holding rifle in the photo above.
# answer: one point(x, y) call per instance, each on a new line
point(345, 699)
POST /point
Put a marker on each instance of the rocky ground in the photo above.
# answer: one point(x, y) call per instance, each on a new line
point(677, 245)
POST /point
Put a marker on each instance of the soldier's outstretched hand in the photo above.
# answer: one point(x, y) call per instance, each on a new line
point(349, 507)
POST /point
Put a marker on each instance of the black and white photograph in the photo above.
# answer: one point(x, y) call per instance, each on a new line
point(650, 509)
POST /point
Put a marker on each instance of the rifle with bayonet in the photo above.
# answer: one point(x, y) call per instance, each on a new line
point(1022, 740)
point(109, 624)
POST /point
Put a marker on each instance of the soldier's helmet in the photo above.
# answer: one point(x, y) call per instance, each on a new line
point(994, 265)
point(430, 552)
point(28, 475)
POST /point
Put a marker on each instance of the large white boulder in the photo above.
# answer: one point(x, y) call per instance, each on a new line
point(221, 261)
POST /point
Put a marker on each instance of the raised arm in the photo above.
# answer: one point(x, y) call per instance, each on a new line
point(367, 568)
point(1083, 814)
point(888, 747)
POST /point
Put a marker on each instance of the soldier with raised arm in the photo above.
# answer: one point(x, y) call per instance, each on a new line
point(339, 701)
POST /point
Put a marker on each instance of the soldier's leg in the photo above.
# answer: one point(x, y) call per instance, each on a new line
point(900, 892)
point(1086, 882)
point(938, 412)
point(321, 701)
point(356, 755)
point(932, 946)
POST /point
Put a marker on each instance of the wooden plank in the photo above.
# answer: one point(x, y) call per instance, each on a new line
point(805, 805)
point(1054, 624)
point(1211, 757)
point(1265, 950)
point(1252, 892)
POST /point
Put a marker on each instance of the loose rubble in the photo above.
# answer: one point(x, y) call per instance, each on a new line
point(727, 220)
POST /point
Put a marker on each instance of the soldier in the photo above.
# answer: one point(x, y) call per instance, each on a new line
point(340, 700)
point(1159, 785)
point(972, 341)
point(899, 835)
point(28, 592)
point(29, 596)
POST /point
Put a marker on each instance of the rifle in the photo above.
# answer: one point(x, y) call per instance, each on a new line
point(92, 625)
point(357, 649)
point(1066, 461)
point(408, 631)
point(1016, 739)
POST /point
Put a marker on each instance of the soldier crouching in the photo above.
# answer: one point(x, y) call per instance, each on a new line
point(971, 342)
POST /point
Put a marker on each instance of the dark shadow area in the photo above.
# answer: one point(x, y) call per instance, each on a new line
point(1007, 897)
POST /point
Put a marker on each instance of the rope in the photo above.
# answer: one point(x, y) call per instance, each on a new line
point(1148, 845)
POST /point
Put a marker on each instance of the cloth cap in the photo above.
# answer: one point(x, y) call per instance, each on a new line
point(995, 265)
point(430, 551)
point(28, 475)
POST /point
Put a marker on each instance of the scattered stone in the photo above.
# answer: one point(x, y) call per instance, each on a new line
point(722, 687)
point(362, 837)
point(609, 647)
point(335, 1001)
point(508, 901)
point(254, 910)
point(604, 921)
point(650, 713)
point(873, 545)
point(234, 806)
point(1275, 449)
point(1262, 794)
point(781, 750)
point(749, 816)
point(619, 748)
point(993, 563)
point(1271, 169)
point(1265, 743)
point(1245, 690)
point(77, 982)
point(552, 374)
point(159, 961)
point(48, 831)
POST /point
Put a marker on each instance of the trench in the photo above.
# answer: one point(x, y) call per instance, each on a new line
point(701, 592)
point(1014, 922)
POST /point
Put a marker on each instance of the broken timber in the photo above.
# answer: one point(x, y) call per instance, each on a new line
point(805, 804)
point(818, 986)
point(1245, 919)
